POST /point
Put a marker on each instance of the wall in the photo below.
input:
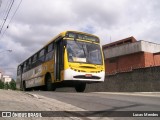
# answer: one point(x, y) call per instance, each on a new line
point(125, 63)
point(0, 76)
point(6, 79)
point(149, 59)
point(157, 59)
point(123, 49)
point(130, 48)
point(131, 61)
point(138, 80)
point(150, 47)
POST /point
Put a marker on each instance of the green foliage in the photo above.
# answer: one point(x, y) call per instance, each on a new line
point(10, 85)
point(6, 86)
point(1, 85)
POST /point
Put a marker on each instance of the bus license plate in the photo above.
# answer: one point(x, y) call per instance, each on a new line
point(88, 75)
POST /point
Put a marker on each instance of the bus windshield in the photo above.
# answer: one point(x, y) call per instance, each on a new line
point(84, 52)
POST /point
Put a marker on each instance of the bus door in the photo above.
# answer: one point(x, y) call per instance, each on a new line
point(58, 55)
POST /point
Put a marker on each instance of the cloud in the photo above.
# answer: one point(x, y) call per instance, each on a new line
point(35, 23)
point(102, 12)
point(50, 13)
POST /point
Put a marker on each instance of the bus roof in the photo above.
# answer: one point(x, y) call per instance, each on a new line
point(61, 35)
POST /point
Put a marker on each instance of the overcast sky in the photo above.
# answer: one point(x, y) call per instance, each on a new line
point(38, 21)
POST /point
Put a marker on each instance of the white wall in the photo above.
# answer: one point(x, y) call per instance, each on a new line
point(0, 76)
point(130, 48)
point(150, 47)
point(6, 79)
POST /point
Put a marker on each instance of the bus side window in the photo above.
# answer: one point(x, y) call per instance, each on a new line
point(50, 47)
point(41, 56)
point(34, 59)
point(25, 66)
point(29, 63)
point(50, 51)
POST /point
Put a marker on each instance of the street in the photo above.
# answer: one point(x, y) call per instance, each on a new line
point(106, 101)
point(72, 105)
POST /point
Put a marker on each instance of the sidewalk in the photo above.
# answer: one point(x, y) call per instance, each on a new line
point(22, 101)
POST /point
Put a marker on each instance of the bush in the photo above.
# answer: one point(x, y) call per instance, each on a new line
point(10, 85)
point(1, 85)
point(6, 86)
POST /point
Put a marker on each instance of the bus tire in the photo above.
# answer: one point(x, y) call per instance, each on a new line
point(80, 87)
point(49, 85)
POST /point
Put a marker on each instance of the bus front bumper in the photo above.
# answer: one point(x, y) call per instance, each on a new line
point(89, 77)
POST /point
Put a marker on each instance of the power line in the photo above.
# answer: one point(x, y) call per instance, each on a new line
point(3, 15)
point(15, 12)
point(6, 16)
point(5, 10)
point(12, 17)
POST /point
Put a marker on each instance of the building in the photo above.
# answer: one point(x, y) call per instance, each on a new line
point(6, 78)
point(0, 76)
point(128, 54)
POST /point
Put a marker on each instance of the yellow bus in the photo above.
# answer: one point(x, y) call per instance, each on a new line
point(71, 59)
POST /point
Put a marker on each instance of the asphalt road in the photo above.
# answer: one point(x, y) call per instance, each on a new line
point(107, 101)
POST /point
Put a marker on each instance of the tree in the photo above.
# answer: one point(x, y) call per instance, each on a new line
point(12, 84)
point(1, 85)
point(6, 85)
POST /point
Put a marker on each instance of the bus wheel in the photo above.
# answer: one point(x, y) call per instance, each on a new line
point(80, 87)
point(49, 85)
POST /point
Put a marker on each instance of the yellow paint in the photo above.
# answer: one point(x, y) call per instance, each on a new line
point(48, 67)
